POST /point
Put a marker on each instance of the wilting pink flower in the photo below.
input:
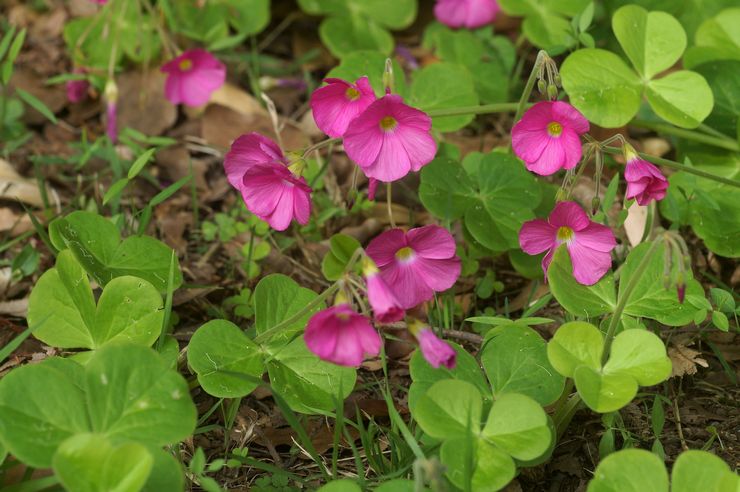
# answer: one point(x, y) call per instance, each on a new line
point(339, 102)
point(417, 263)
point(470, 14)
point(77, 89)
point(248, 150)
point(547, 138)
point(389, 139)
point(275, 193)
point(192, 77)
point(340, 335)
point(110, 94)
point(645, 182)
point(384, 303)
point(437, 352)
point(588, 243)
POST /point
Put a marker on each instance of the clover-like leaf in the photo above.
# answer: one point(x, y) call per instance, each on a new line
point(581, 300)
point(96, 243)
point(604, 393)
point(307, 383)
point(630, 470)
point(683, 98)
point(515, 359)
point(519, 426)
point(62, 305)
point(446, 189)
point(602, 87)
point(370, 64)
point(424, 375)
point(487, 467)
point(218, 352)
point(716, 39)
point(276, 299)
point(700, 470)
point(440, 86)
point(641, 354)
point(341, 249)
point(653, 41)
point(125, 392)
point(450, 409)
point(91, 463)
point(575, 344)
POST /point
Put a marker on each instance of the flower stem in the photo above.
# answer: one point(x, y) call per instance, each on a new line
point(716, 141)
point(541, 57)
point(675, 165)
point(266, 335)
point(389, 204)
point(320, 145)
point(633, 281)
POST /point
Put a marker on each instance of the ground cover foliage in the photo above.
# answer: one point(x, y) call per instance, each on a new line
point(346, 245)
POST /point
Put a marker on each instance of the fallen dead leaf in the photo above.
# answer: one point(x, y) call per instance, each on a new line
point(684, 360)
point(141, 102)
point(634, 225)
point(15, 187)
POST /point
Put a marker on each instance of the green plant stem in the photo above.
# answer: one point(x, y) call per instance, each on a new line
point(541, 57)
point(724, 143)
point(633, 281)
point(482, 109)
point(263, 337)
point(675, 165)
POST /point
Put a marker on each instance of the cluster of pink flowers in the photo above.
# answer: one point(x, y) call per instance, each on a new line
point(401, 270)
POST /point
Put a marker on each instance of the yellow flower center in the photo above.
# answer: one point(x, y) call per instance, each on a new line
point(185, 65)
point(404, 254)
point(352, 94)
point(342, 316)
point(388, 123)
point(554, 129)
point(564, 234)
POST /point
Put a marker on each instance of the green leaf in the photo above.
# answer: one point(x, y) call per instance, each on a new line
point(219, 348)
point(96, 243)
point(653, 41)
point(723, 300)
point(446, 190)
point(129, 309)
point(450, 409)
point(344, 35)
point(716, 39)
point(719, 319)
point(641, 354)
point(91, 463)
point(602, 87)
point(575, 344)
point(515, 359)
point(699, 470)
point(424, 376)
point(307, 383)
point(125, 392)
point(650, 298)
point(36, 104)
point(604, 393)
point(341, 249)
point(682, 98)
point(115, 190)
point(140, 162)
point(248, 16)
point(277, 298)
point(508, 195)
point(519, 426)
point(492, 468)
point(724, 79)
point(394, 14)
point(630, 470)
point(440, 86)
point(343, 485)
point(581, 300)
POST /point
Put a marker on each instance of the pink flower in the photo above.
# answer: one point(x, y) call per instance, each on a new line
point(256, 167)
point(245, 152)
point(340, 335)
point(416, 264)
point(645, 182)
point(470, 14)
point(389, 139)
point(385, 305)
point(77, 89)
point(547, 138)
point(339, 102)
point(437, 352)
point(110, 94)
point(588, 243)
point(192, 77)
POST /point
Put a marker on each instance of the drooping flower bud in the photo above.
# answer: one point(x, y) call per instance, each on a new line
point(436, 351)
point(388, 78)
point(111, 99)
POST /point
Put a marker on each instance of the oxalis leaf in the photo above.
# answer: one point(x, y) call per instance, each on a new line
point(124, 393)
point(96, 243)
point(638, 358)
point(129, 309)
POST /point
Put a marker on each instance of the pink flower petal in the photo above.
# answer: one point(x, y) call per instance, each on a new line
point(405, 283)
point(569, 117)
point(439, 275)
point(589, 265)
point(537, 236)
point(597, 237)
point(569, 214)
point(551, 160)
point(435, 351)
point(571, 143)
point(333, 110)
point(245, 152)
point(432, 242)
point(382, 249)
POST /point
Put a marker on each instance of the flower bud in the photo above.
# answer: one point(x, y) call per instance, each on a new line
point(541, 86)
point(552, 91)
point(557, 80)
point(388, 79)
point(595, 203)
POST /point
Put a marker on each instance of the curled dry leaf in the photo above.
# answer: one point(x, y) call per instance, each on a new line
point(684, 360)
